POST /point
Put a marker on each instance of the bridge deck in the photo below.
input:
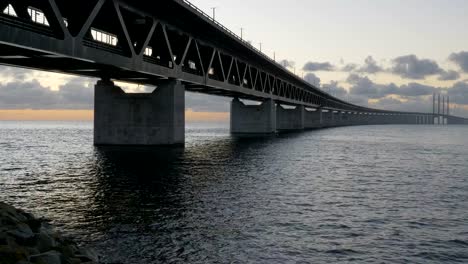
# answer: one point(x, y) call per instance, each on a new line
point(146, 42)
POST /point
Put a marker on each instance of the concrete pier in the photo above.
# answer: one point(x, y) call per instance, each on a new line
point(157, 118)
point(345, 119)
point(359, 118)
point(253, 119)
point(328, 118)
point(290, 119)
point(313, 119)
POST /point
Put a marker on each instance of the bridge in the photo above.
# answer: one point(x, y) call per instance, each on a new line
point(172, 45)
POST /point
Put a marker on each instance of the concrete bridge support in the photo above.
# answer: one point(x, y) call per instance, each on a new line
point(336, 118)
point(371, 118)
point(339, 118)
point(157, 118)
point(360, 117)
point(253, 119)
point(290, 119)
point(352, 119)
point(313, 119)
point(328, 118)
point(343, 118)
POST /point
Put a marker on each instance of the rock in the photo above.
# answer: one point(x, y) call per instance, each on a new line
point(22, 233)
point(74, 261)
point(89, 254)
point(9, 254)
point(44, 242)
point(9, 212)
point(47, 228)
point(69, 251)
point(32, 251)
point(84, 258)
point(3, 239)
point(28, 240)
point(50, 257)
point(34, 224)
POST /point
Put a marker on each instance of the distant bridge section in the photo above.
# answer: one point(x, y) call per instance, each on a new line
point(174, 46)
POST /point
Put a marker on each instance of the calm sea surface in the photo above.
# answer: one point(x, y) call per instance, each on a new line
point(371, 194)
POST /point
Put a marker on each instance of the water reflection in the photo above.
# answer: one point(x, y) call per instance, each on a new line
point(174, 200)
point(353, 194)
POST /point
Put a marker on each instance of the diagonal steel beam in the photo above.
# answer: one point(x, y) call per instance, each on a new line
point(91, 18)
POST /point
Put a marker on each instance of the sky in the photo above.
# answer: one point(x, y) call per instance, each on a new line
point(389, 54)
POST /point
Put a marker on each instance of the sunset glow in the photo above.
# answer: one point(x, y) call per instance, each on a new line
point(87, 115)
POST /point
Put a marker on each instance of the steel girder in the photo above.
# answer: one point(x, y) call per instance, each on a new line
point(155, 41)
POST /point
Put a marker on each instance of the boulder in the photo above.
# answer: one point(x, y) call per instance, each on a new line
point(22, 233)
point(27, 240)
point(10, 254)
point(44, 242)
point(49, 257)
point(9, 211)
point(87, 255)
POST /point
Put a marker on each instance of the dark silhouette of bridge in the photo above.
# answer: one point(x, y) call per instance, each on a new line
point(174, 46)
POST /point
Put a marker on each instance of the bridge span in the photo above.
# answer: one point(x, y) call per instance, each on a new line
point(171, 45)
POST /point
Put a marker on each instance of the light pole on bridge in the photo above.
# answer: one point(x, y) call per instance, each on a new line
point(214, 12)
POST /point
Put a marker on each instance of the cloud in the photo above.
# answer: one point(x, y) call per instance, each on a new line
point(288, 63)
point(318, 66)
point(415, 89)
point(410, 97)
point(415, 104)
point(338, 91)
point(363, 86)
point(350, 67)
point(32, 95)
point(370, 66)
point(459, 93)
point(449, 76)
point(312, 79)
point(411, 67)
point(334, 89)
point(78, 93)
point(461, 59)
point(207, 103)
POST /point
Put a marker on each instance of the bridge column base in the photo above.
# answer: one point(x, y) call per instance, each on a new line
point(313, 119)
point(290, 119)
point(253, 119)
point(157, 118)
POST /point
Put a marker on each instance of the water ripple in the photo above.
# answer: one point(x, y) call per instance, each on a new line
point(377, 194)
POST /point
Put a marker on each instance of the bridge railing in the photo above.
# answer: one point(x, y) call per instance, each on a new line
point(230, 31)
point(261, 53)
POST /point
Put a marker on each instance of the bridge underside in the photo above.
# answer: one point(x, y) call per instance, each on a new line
point(38, 60)
point(169, 44)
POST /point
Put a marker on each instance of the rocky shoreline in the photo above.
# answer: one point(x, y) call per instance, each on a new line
point(25, 239)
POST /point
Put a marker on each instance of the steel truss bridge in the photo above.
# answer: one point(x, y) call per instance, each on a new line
point(149, 42)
